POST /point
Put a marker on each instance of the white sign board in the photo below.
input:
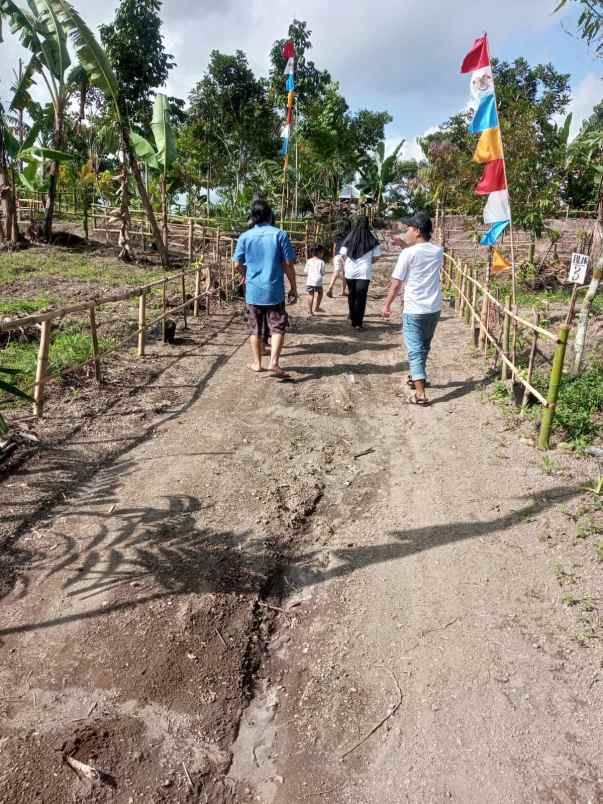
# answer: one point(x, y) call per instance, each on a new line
point(578, 269)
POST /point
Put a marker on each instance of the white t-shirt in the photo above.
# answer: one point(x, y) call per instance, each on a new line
point(315, 269)
point(419, 267)
point(362, 268)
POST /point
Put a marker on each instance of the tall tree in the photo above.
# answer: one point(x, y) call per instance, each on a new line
point(134, 45)
point(590, 22)
point(231, 123)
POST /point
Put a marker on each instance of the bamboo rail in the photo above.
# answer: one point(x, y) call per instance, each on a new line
point(475, 303)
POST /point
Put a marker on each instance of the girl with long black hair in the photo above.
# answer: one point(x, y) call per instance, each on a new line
point(360, 248)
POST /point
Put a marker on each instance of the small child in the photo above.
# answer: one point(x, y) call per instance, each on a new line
point(315, 269)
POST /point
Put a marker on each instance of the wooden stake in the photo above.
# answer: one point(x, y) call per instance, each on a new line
point(476, 329)
point(506, 335)
point(197, 293)
point(184, 302)
point(95, 352)
point(191, 235)
point(41, 369)
point(141, 320)
point(531, 363)
point(164, 306)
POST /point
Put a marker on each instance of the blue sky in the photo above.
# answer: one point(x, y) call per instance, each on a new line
point(402, 57)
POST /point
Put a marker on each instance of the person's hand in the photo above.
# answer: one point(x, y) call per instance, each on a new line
point(386, 312)
point(292, 297)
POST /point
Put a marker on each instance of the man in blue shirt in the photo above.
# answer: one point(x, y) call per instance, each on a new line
point(265, 253)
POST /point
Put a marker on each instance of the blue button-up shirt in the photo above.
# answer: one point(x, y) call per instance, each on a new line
point(263, 250)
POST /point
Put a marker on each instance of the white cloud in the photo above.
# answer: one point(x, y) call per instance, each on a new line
point(587, 94)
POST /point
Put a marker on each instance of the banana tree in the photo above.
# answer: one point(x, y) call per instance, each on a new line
point(94, 60)
point(40, 31)
point(161, 158)
point(377, 172)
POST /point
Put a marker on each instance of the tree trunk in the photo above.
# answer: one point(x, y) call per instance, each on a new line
point(57, 138)
point(7, 200)
point(164, 213)
point(125, 251)
point(144, 197)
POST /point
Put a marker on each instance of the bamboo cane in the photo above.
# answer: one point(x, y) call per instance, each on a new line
point(141, 318)
point(506, 336)
point(95, 350)
point(191, 234)
point(184, 303)
point(531, 363)
point(197, 293)
point(41, 369)
point(548, 414)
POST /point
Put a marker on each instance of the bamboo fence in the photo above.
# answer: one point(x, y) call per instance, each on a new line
point(496, 328)
point(44, 321)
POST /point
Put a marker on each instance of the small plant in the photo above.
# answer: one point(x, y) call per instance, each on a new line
point(570, 600)
point(596, 488)
point(13, 391)
point(548, 465)
point(579, 404)
point(599, 550)
point(564, 578)
point(500, 392)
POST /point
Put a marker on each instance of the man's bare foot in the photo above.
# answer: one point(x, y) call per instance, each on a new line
point(255, 367)
point(277, 371)
point(319, 310)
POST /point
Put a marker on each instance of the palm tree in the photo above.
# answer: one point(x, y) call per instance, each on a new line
point(377, 172)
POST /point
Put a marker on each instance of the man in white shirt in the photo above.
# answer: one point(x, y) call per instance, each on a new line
point(418, 268)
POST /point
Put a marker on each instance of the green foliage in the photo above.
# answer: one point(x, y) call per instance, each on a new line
point(590, 22)
point(19, 307)
point(377, 172)
point(579, 405)
point(134, 47)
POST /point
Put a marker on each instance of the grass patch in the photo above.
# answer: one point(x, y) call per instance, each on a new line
point(579, 405)
point(540, 298)
point(67, 264)
point(68, 348)
point(25, 306)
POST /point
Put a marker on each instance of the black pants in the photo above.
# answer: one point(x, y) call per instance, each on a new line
point(357, 295)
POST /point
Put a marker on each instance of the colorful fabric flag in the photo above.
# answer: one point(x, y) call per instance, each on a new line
point(290, 97)
point(482, 83)
point(289, 67)
point(498, 207)
point(288, 50)
point(494, 178)
point(493, 234)
point(477, 57)
point(289, 115)
point(290, 85)
point(499, 263)
point(486, 115)
point(489, 147)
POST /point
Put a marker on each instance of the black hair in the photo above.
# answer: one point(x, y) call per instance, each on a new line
point(360, 240)
point(261, 212)
point(317, 250)
point(426, 231)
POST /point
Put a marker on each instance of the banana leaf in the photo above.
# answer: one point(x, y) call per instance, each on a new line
point(163, 133)
point(40, 152)
point(144, 151)
point(90, 54)
point(22, 98)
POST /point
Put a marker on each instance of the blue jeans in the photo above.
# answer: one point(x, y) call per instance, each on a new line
point(418, 331)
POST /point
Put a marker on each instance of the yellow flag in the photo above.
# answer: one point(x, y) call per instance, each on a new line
point(290, 97)
point(499, 263)
point(489, 147)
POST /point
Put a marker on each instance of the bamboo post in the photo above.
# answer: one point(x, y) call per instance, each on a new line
point(474, 320)
point(531, 364)
point(184, 302)
point(41, 369)
point(141, 323)
point(548, 414)
point(461, 291)
point(191, 234)
point(95, 352)
point(197, 292)
point(506, 339)
point(468, 290)
point(164, 308)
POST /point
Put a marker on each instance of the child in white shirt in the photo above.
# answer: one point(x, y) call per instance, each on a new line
point(315, 270)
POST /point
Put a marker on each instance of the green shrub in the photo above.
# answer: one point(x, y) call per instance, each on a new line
point(579, 403)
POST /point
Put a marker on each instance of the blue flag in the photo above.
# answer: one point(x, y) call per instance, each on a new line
point(485, 117)
point(493, 234)
point(290, 84)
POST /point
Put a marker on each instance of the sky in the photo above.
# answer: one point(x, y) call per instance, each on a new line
point(402, 57)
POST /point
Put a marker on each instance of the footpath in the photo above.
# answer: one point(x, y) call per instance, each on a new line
point(308, 591)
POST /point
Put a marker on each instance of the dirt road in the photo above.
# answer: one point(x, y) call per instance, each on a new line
point(307, 591)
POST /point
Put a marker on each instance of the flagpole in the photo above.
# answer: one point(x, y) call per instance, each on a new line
point(506, 179)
